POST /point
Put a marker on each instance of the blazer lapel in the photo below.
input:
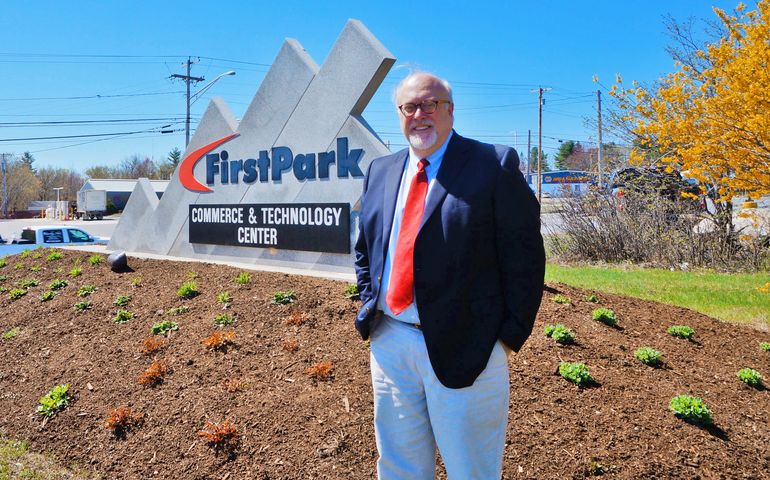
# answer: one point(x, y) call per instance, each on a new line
point(393, 176)
point(451, 165)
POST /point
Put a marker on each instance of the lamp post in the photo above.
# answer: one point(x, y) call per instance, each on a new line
point(192, 98)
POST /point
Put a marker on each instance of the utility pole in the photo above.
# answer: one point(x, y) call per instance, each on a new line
point(599, 115)
point(540, 142)
point(529, 154)
point(5, 187)
point(187, 79)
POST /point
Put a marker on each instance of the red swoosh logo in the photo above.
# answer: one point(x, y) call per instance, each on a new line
point(188, 164)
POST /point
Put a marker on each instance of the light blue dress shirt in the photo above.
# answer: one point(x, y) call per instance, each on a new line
point(409, 315)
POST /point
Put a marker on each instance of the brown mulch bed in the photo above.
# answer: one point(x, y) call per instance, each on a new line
point(294, 426)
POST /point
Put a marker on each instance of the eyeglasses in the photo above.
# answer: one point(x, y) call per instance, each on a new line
point(427, 106)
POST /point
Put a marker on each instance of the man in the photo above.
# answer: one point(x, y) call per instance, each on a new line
point(450, 267)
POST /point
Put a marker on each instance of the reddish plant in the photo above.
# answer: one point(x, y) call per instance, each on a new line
point(320, 371)
point(233, 384)
point(154, 374)
point(297, 318)
point(291, 345)
point(219, 340)
point(152, 345)
point(122, 420)
point(221, 436)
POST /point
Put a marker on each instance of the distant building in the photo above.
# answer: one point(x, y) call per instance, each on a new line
point(118, 189)
point(563, 182)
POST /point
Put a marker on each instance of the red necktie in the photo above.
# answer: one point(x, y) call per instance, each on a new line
point(401, 288)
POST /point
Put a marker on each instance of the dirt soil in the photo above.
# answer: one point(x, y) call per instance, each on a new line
point(293, 426)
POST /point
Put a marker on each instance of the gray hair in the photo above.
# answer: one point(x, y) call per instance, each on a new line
point(416, 73)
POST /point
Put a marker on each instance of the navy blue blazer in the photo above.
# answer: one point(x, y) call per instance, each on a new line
point(479, 260)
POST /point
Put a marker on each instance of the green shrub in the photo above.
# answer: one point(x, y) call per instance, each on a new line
point(605, 315)
point(18, 266)
point(576, 373)
point(224, 297)
point(224, 319)
point(82, 306)
point(283, 298)
point(57, 284)
point(243, 278)
point(17, 293)
point(750, 377)
point(681, 331)
point(765, 346)
point(559, 333)
point(53, 401)
point(188, 289)
point(95, 259)
point(351, 292)
point(75, 272)
point(48, 295)
point(28, 283)
point(122, 300)
point(177, 310)
point(691, 409)
point(591, 298)
point(35, 268)
point(648, 356)
point(3, 262)
point(163, 327)
point(54, 256)
point(561, 299)
point(122, 316)
point(10, 334)
point(86, 290)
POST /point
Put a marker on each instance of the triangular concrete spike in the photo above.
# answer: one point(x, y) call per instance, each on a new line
point(137, 215)
point(217, 117)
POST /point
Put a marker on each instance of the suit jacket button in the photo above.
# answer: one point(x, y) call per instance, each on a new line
point(368, 309)
point(379, 278)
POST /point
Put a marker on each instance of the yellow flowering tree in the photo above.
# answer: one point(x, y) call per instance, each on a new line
point(713, 122)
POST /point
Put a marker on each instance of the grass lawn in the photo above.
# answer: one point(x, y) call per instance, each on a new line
point(729, 297)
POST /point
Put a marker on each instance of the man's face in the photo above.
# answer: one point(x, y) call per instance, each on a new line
point(425, 132)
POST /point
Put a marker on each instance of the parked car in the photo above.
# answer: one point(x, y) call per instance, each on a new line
point(652, 180)
point(57, 236)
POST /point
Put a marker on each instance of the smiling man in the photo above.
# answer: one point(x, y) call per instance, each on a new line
point(450, 266)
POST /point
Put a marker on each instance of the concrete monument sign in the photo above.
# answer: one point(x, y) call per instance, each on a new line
point(282, 186)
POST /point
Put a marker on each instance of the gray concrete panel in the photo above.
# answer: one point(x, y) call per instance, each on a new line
point(139, 212)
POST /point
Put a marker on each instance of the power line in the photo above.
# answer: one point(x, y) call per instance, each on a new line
point(87, 97)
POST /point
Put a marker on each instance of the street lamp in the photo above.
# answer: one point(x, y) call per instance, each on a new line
point(192, 98)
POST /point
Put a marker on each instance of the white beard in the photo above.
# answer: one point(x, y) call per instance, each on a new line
point(419, 141)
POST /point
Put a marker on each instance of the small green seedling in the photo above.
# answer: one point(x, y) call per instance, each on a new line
point(648, 356)
point(187, 290)
point(576, 373)
point(163, 327)
point(750, 377)
point(591, 298)
point(3, 278)
point(17, 293)
point(559, 333)
point(37, 253)
point(691, 409)
point(351, 292)
point(136, 282)
point(86, 290)
point(54, 256)
point(224, 319)
point(3, 289)
point(53, 401)
point(605, 315)
point(3, 262)
point(82, 306)
point(11, 334)
point(243, 278)
point(192, 275)
point(283, 298)
point(224, 297)
point(28, 283)
point(48, 295)
point(35, 268)
point(25, 253)
point(681, 331)
point(58, 270)
point(177, 310)
point(57, 284)
point(122, 301)
point(123, 316)
point(75, 272)
point(765, 346)
point(561, 299)
point(18, 266)
point(95, 259)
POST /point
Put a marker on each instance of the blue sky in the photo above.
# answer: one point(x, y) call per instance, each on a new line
point(119, 55)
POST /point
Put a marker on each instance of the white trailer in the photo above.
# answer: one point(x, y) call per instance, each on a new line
point(91, 204)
